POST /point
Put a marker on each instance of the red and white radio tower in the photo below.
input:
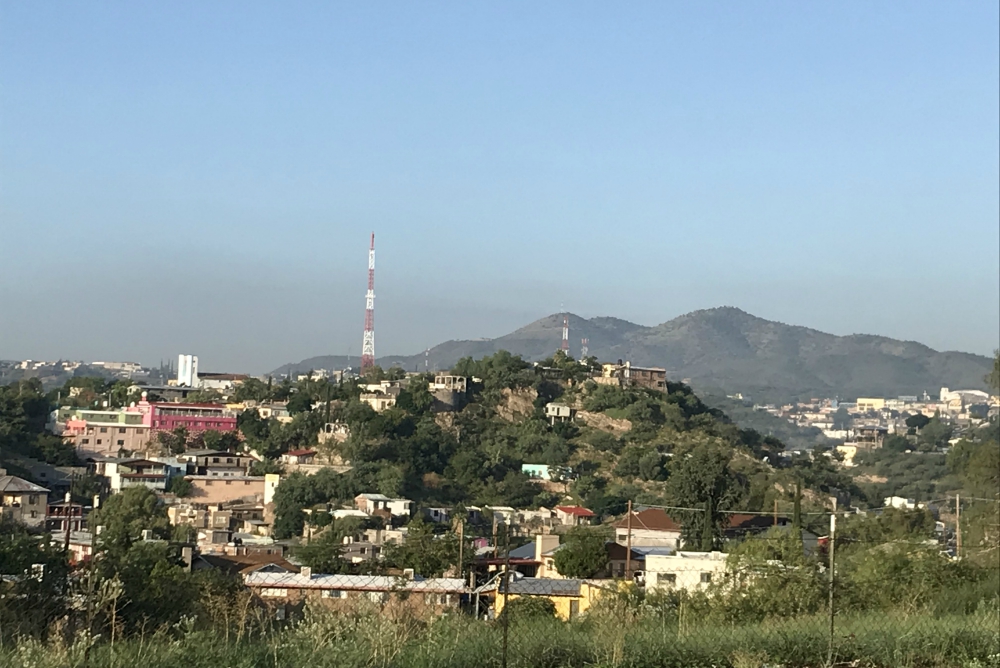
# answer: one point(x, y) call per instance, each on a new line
point(368, 345)
point(565, 341)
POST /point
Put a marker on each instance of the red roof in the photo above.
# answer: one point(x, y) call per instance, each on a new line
point(651, 519)
point(579, 511)
point(300, 453)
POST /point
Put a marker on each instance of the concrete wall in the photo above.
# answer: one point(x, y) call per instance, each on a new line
point(205, 489)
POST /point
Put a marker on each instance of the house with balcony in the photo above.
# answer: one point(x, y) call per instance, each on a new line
point(58, 515)
point(147, 473)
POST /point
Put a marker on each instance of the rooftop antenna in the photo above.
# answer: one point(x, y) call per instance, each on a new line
point(368, 343)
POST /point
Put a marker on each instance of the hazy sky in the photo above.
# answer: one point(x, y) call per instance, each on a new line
point(203, 177)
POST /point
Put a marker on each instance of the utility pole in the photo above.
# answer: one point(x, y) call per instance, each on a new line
point(628, 543)
point(69, 512)
point(958, 527)
point(461, 545)
point(831, 545)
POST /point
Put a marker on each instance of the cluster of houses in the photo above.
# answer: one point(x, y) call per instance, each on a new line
point(646, 550)
point(230, 512)
point(872, 418)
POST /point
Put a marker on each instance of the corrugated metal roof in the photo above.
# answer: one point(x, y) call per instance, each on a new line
point(11, 484)
point(355, 582)
point(537, 587)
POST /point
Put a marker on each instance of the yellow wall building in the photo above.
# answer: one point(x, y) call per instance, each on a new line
point(570, 597)
point(866, 404)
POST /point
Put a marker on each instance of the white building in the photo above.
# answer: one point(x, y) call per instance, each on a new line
point(187, 370)
point(688, 571)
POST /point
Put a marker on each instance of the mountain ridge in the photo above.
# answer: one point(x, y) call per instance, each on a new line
point(724, 349)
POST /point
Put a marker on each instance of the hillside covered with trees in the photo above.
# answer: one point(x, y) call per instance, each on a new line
point(664, 448)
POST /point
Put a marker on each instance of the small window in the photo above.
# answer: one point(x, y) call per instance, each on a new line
point(666, 578)
point(706, 578)
point(32, 499)
point(215, 460)
point(121, 430)
point(98, 441)
point(208, 482)
point(121, 442)
point(86, 441)
point(247, 482)
point(229, 482)
point(334, 593)
point(104, 430)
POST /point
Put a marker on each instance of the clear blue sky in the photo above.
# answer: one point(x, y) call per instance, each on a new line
point(202, 177)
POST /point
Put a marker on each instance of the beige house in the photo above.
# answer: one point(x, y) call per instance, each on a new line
point(103, 433)
point(378, 401)
point(215, 489)
point(23, 501)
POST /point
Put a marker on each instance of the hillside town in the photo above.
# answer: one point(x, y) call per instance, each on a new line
point(186, 443)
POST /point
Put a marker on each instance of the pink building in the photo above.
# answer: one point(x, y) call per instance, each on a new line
point(163, 416)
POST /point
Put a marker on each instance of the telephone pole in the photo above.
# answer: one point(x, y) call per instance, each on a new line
point(958, 526)
point(628, 543)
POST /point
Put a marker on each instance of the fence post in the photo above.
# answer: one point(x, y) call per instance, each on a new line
point(506, 596)
point(832, 544)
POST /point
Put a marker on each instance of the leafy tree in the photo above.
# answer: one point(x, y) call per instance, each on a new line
point(173, 442)
point(253, 389)
point(427, 554)
point(299, 403)
point(179, 486)
point(583, 554)
point(29, 604)
point(225, 441)
point(993, 377)
point(125, 515)
point(917, 421)
point(896, 443)
point(702, 478)
point(842, 419)
point(252, 425)
point(936, 433)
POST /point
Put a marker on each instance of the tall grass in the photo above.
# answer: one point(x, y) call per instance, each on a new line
point(328, 640)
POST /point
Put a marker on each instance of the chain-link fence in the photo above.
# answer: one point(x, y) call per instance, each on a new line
point(784, 597)
point(840, 599)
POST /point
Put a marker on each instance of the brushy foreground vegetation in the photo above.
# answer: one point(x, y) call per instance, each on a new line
point(327, 640)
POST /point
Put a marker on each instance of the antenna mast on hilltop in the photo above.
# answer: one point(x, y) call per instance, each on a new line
point(368, 344)
point(584, 349)
point(565, 340)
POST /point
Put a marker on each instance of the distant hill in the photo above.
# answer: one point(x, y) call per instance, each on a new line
point(727, 350)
